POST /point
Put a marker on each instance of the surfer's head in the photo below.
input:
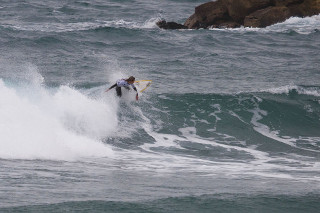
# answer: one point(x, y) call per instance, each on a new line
point(131, 79)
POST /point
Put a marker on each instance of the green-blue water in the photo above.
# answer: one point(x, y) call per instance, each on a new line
point(231, 122)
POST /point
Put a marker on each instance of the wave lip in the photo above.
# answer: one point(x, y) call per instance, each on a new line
point(302, 90)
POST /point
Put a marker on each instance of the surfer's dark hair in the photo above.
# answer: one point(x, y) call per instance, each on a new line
point(131, 78)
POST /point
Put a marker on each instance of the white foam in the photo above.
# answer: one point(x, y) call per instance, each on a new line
point(237, 116)
point(313, 91)
point(190, 135)
point(53, 27)
point(305, 25)
point(59, 125)
point(151, 23)
point(162, 140)
point(281, 90)
point(80, 26)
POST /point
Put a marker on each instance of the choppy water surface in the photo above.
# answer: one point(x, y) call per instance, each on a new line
point(231, 122)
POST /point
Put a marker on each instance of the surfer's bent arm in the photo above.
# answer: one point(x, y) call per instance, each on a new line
point(135, 89)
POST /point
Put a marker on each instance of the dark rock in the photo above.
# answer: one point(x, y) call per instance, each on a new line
point(267, 16)
point(286, 2)
point(308, 8)
point(207, 14)
point(170, 25)
point(225, 24)
point(239, 9)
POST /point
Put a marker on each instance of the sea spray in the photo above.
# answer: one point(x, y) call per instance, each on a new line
point(55, 125)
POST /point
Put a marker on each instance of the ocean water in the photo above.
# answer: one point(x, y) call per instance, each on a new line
point(231, 122)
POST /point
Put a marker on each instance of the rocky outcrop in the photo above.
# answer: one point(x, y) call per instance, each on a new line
point(248, 13)
point(170, 25)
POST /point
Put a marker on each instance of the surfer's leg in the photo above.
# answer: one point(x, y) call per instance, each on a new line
point(119, 93)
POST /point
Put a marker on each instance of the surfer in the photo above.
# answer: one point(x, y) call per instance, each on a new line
point(124, 83)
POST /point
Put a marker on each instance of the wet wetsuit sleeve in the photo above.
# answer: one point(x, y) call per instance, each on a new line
point(113, 86)
point(135, 89)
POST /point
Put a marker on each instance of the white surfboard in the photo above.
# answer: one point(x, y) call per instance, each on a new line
point(142, 85)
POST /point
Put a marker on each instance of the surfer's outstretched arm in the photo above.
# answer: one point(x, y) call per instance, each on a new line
point(111, 87)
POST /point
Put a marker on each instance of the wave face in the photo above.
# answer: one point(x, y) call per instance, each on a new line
point(263, 119)
point(232, 115)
